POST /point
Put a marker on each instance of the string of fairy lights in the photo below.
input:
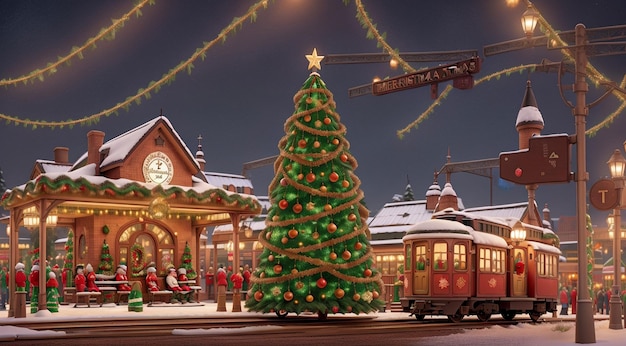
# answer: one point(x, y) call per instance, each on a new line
point(362, 16)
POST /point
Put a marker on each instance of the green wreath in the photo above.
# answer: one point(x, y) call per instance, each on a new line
point(137, 260)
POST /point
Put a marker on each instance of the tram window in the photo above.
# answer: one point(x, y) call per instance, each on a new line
point(420, 257)
point(541, 264)
point(407, 257)
point(498, 261)
point(460, 257)
point(484, 260)
point(440, 256)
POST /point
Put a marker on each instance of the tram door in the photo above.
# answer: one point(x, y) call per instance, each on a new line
point(519, 273)
point(420, 272)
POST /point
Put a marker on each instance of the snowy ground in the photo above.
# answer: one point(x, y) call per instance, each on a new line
point(562, 333)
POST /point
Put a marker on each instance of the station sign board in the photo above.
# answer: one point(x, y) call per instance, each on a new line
point(461, 69)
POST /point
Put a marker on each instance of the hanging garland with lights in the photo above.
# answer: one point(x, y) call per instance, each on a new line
point(593, 73)
point(145, 93)
point(64, 184)
point(362, 16)
point(77, 52)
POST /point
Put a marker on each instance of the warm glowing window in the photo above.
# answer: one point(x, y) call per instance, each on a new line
point(440, 256)
point(460, 257)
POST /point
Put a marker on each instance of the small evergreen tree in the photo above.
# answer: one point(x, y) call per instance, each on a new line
point(186, 263)
point(68, 263)
point(106, 261)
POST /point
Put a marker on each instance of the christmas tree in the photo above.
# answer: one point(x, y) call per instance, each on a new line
point(317, 255)
point(186, 263)
point(68, 263)
point(106, 261)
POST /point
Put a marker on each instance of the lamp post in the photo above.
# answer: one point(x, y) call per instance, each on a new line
point(617, 164)
point(585, 329)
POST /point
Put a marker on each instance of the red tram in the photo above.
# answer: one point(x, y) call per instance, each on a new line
point(459, 264)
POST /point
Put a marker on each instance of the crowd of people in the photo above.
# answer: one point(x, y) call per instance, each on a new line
point(601, 300)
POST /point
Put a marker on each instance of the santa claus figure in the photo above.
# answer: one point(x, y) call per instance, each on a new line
point(182, 279)
point(20, 277)
point(121, 276)
point(172, 284)
point(33, 278)
point(80, 281)
point(152, 279)
point(91, 279)
point(52, 293)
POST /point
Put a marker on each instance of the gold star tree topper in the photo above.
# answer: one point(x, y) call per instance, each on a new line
point(314, 60)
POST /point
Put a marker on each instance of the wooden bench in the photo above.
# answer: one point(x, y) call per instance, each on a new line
point(159, 297)
point(109, 294)
point(195, 291)
point(122, 295)
point(69, 295)
point(84, 298)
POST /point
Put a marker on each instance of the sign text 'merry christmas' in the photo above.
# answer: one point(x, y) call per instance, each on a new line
point(428, 76)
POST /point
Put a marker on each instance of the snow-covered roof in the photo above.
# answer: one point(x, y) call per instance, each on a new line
point(398, 216)
point(225, 180)
point(49, 166)
point(118, 148)
point(445, 229)
point(513, 210)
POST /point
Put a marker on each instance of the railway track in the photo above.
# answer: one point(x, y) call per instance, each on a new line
point(292, 325)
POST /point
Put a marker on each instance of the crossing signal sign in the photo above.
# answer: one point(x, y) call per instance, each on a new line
point(547, 160)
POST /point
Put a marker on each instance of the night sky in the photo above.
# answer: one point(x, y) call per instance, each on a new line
point(239, 97)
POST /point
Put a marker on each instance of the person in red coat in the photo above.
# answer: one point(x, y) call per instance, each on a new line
point(91, 279)
point(20, 277)
point(563, 299)
point(33, 278)
point(237, 280)
point(152, 279)
point(573, 297)
point(121, 276)
point(80, 281)
point(222, 282)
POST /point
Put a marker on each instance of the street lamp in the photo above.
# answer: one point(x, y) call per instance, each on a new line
point(529, 20)
point(617, 164)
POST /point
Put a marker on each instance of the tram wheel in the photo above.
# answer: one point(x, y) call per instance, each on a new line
point(508, 315)
point(483, 316)
point(419, 317)
point(457, 317)
point(281, 313)
point(534, 315)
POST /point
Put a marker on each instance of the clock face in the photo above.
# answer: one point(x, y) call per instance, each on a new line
point(157, 168)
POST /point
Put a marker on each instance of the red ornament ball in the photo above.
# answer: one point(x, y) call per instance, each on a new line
point(283, 204)
point(258, 295)
point(352, 217)
point(327, 121)
point(321, 283)
point(310, 177)
point(297, 208)
point(343, 158)
point(358, 246)
point(333, 177)
point(283, 182)
point(293, 233)
point(333, 256)
point(288, 296)
point(346, 255)
point(335, 309)
point(307, 118)
point(331, 228)
point(302, 143)
point(367, 272)
point(339, 293)
point(278, 269)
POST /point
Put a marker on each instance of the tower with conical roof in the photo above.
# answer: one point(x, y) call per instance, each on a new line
point(529, 123)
